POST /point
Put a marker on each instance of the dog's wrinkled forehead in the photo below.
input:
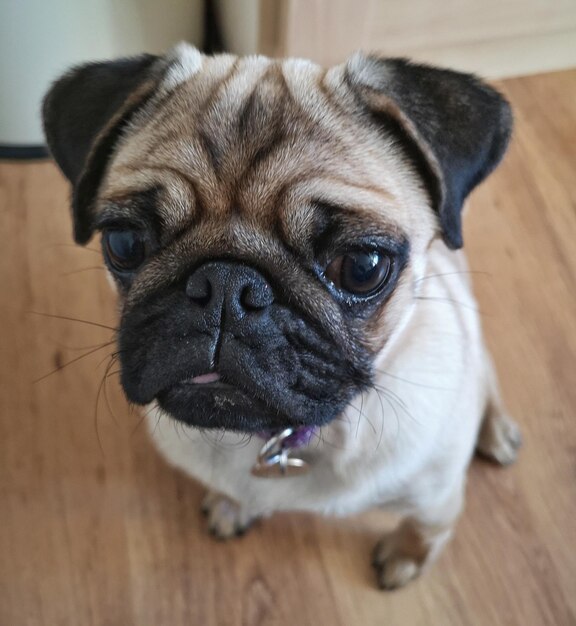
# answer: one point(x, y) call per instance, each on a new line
point(403, 141)
point(255, 137)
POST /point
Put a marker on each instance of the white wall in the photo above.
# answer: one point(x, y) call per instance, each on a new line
point(39, 39)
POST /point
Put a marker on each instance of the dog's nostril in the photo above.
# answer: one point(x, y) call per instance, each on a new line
point(199, 290)
point(237, 288)
point(255, 297)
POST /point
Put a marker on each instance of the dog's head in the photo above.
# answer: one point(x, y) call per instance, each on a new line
point(266, 221)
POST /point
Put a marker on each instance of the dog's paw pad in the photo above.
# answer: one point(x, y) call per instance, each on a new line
point(224, 516)
point(499, 440)
point(393, 568)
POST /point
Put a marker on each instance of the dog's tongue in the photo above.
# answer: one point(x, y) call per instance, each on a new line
point(212, 377)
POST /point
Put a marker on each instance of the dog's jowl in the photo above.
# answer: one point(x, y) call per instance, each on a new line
point(284, 240)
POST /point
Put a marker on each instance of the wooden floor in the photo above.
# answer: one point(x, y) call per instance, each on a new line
point(96, 529)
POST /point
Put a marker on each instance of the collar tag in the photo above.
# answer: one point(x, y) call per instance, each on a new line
point(274, 460)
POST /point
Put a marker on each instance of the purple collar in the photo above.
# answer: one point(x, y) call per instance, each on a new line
point(275, 460)
point(298, 439)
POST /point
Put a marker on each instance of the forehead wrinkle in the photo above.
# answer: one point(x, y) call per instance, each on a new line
point(295, 159)
point(177, 139)
point(186, 155)
point(296, 228)
point(139, 205)
point(311, 164)
point(306, 147)
point(174, 113)
point(305, 82)
point(179, 64)
point(218, 85)
point(385, 195)
point(339, 113)
point(187, 99)
point(173, 206)
point(317, 120)
point(262, 122)
point(117, 208)
point(184, 202)
point(217, 126)
point(378, 203)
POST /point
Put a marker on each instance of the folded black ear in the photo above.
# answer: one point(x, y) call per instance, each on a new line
point(84, 114)
point(459, 126)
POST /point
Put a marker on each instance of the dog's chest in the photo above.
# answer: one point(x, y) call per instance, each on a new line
point(403, 437)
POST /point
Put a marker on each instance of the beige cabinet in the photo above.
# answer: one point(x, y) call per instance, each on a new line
point(493, 37)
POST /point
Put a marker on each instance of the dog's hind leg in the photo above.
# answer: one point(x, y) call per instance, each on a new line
point(499, 438)
point(413, 546)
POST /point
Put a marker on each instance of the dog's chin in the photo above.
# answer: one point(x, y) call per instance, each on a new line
point(219, 405)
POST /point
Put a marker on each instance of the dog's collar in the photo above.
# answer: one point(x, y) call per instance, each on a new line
point(275, 460)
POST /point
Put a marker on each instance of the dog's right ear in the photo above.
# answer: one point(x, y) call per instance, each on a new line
point(84, 115)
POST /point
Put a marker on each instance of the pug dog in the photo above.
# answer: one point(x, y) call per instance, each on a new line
point(285, 244)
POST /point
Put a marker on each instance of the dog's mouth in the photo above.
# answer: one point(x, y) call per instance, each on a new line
point(211, 401)
point(262, 375)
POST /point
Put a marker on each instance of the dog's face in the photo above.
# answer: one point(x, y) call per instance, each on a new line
point(266, 221)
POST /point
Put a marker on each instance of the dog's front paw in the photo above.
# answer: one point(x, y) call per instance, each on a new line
point(225, 517)
point(394, 567)
point(499, 439)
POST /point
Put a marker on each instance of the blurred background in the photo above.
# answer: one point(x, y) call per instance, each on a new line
point(39, 39)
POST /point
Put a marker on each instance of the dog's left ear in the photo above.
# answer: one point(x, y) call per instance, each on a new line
point(458, 125)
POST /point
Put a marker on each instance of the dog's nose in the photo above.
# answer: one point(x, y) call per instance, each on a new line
point(231, 288)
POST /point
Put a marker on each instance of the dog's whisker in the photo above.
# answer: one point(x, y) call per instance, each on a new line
point(157, 422)
point(321, 440)
point(107, 376)
point(389, 392)
point(382, 417)
point(175, 428)
point(84, 269)
point(392, 397)
point(455, 273)
point(71, 245)
point(410, 382)
point(72, 361)
point(359, 414)
point(245, 441)
point(451, 301)
point(73, 319)
point(76, 348)
point(113, 356)
point(96, 425)
point(362, 414)
point(186, 432)
point(388, 401)
point(143, 417)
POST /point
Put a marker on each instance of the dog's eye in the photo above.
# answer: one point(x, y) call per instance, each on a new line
point(360, 273)
point(125, 250)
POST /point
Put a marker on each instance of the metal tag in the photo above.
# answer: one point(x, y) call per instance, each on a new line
point(274, 460)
